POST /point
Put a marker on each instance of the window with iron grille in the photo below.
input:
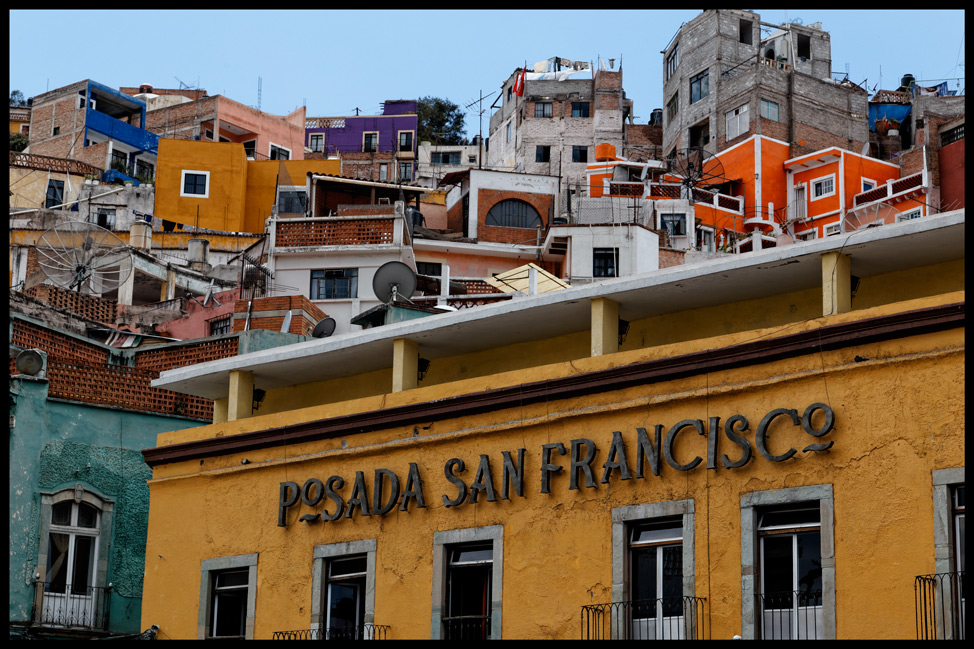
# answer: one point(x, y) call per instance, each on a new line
point(221, 325)
point(334, 284)
point(656, 578)
point(791, 571)
point(542, 109)
point(605, 262)
point(952, 135)
point(579, 109)
point(513, 213)
point(469, 571)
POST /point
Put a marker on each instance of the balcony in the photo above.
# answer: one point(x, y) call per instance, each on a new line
point(668, 618)
point(721, 201)
point(940, 606)
point(793, 615)
point(70, 606)
point(466, 627)
point(893, 190)
point(363, 632)
point(116, 129)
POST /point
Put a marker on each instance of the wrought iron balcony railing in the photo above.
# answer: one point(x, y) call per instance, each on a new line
point(361, 632)
point(70, 605)
point(466, 627)
point(940, 606)
point(791, 615)
point(668, 618)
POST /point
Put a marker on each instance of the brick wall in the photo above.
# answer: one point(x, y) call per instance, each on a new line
point(487, 198)
point(89, 307)
point(269, 314)
point(182, 121)
point(334, 233)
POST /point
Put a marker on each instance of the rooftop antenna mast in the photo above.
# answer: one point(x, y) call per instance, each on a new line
point(480, 116)
point(259, 80)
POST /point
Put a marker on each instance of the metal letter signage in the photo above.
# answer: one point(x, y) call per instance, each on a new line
point(319, 496)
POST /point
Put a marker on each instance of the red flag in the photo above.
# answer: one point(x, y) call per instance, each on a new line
point(519, 84)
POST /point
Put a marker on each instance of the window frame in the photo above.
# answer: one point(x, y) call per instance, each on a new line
point(821, 181)
point(602, 254)
point(916, 213)
point(324, 279)
point(545, 109)
point(542, 153)
point(109, 212)
point(322, 555)
point(735, 116)
point(580, 153)
point(196, 172)
point(51, 202)
point(580, 107)
point(408, 147)
point(510, 212)
point(765, 110)
point(78, 493)
point(292, 193)
point(316, 142)
point(751, 503)
point(271, 148)
point(672, 60)
point(442, 544)
point(700, 86)
point(624, 518)
point(405, 170)
point(366, 139)
point(670, 217)
point(673, 107)
point(209, 569)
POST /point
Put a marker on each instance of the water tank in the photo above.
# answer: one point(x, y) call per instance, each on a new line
point(414, 217)
point(656, 117)
point(907, 80)
point(604, 152)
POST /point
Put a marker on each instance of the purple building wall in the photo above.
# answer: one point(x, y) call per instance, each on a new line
point(345, 134)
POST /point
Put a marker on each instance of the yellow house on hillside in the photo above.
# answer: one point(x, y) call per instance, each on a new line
point(214, 185)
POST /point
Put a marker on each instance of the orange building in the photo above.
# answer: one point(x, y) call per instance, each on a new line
point(748, 195)
point(214, 185)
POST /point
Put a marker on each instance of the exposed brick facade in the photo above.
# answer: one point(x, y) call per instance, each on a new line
point(269, 313)
point(487, 198)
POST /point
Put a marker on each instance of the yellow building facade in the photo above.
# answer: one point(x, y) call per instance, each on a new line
point(767, 447)
point(214, 185)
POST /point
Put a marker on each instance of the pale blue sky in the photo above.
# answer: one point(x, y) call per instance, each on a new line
point(336, 61)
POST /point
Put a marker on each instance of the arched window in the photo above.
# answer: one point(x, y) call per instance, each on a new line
point(513, 213)
point(75, 525)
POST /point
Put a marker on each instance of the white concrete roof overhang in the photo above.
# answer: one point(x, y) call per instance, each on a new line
point(910, 244)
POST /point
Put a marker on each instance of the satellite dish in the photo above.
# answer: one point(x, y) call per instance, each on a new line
point(83, 256)
point(324, 328)
point(696, 169)
point(869, 216)
point(30, 362)
point(393, 279)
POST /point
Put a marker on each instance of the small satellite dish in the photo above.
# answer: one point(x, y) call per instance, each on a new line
point(30, 362)
point(324, 328)
point(393, 279)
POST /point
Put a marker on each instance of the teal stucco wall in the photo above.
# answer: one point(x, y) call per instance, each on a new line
point(56, 444)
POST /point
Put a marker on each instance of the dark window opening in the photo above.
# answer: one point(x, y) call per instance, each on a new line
point(345, 598)
point(579, 109)
point(469, 572)
point(336, 283)
point(804, 47)
point(229, 604)
point(513, 213)
point(579, 154)
point(605, 262)
point(542, 153)
point(746, 32)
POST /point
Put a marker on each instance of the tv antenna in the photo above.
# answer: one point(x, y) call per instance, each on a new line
point(868, 216)
point(393, 280)
point(81, 256)
point(480, 118)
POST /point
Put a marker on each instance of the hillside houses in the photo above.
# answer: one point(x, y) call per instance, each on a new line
point(347, 365)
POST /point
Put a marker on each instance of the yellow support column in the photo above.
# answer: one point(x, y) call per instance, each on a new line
point(405, 358)
point(220, 410)
point(605, 326)
point(836, 283)
point(240, 402)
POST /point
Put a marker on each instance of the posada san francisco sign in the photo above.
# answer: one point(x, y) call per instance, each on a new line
point(327, 503)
